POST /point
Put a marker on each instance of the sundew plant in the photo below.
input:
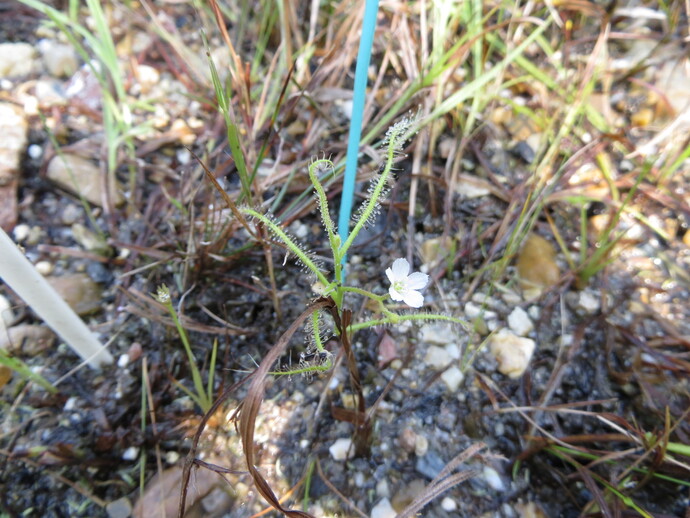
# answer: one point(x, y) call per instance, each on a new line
point(404, 287)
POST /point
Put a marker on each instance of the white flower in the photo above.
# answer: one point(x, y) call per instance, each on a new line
point(405, 286)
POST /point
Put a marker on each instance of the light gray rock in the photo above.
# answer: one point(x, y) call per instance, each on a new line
point(342, 449)
point(383, 509)
point(81, 176)
point(59, 60)
point(519, 322)
point(17, 59)
point(512, 352)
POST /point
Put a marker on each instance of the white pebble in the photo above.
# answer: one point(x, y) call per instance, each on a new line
point(437, 357)
point(493, 478)
point(448, 504)
point(382, 488)
point(421, 445)
point(130, 453)
point(473, 311)
point(70, 404)
point(183, 155)
point(512, 352)
point(123, 361)
point(452, 377)
point(359, 479)
point(519, 322)
point(383, 509)
point(60, 60)
point(437, 334)
point(21, 232)
point(342, 449)
point(34, 151)
point(16, 59)
point(588, 302)
point(171, 457)
point(7, 316)
point(44, 267)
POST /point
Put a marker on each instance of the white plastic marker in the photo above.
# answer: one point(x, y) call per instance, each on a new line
point(31, 286)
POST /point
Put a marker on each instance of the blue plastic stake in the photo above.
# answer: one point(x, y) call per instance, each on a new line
point(358, 95)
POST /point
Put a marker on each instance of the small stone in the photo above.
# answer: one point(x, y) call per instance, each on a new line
point(35, 235)
point(524, 151)
point(181, 131)
point(446, 146)
point(452, 377)
point(642, 118)
point(536, 266)
point(342, 449)
point(511, 298)
point(171, 457)
point(98, 272)
point(81, 176)
point(13, 128)
point(16, 59)
point(183, 156)
point(89, 240)
point(82, 294)
point(437, 357)
point(130, 453)
point(382, 488)
point(5, 375)
point(34, 151)
point(407, 493)
point(148, 77)
point(473, 311)
point(407, 439)
point(588, 303)
point(512, 352)
point(493, 478)
point(530, 510)
point(383, 509)
point(21, 232)
point(421, 445)
point(60, 60)
point(437, 334)
point(123, 361)
point(430, 465)
point(519, 322)
point(134, 352)
point(44, 267)
point(71, 214)
point(469, 190)
point(7, 316)
point(27, 339)
point(448, 504)
point(70, 404)
point(120, 508)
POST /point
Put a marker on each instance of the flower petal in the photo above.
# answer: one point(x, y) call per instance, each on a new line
point(417, 281)
point(389, 274)
point(395, 295)
point(414, 299)
point(400, 269)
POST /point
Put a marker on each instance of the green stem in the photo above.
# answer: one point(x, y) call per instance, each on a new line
point(394, 143)
point(406, 318)
point(333, 238)
point(369, 294)
point(292, 246)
